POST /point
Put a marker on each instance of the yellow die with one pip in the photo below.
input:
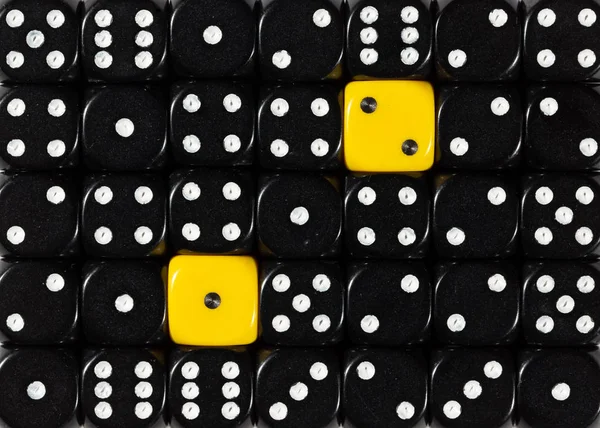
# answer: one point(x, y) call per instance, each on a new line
point(389, 126)
point(213, 300)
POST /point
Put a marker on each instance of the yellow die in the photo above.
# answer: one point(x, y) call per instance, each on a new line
point(389, 126)
point(213, 300)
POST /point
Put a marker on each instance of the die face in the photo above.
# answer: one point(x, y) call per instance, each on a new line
point(300, 127)
point(299, 216)
point(478, 40)
point(213, 300)
point(373, 47)
point(124, 128)
point(558, 216)
point(558, 388)
point(122, 387)
point(472, 388)
point(547, 53)
point(562, 131)
point(39, 216)
point(39, 302)
point(388, 303)
point(124, 41)
point(212, 211)
point(475, 216)
point(389, 126)
point(312, 45)
point(39, 41)
point(468, 121)
point(40, 127)
point(225, 44)
point(402, 375)
point(107, 232)
point(495, 286)
point(210, 387)
point(39, 388)
point(301, 303)
point(124, 303)
point(212, 123)
point(298, 388)
point(387, 216)
point(560, 302)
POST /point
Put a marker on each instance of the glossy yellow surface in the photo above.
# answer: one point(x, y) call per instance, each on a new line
point(234, 279)
point(405, 111)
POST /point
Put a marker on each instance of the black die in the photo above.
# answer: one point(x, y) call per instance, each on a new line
point(39, 302)
point(124, 215)
point(388, 303)
point(384, 388)
point(210, 387)
point(213, 38)
point(39, 215)
point(39, 42)
point(301, 41)
point(299, 216)
point(561, 303)
point(298, 388)
point(212, 123)
point(211, 211)
point(123, 388)
point(40, 388)
point(475, 216)
point(40, 127)
point(472, 388)
point(559, 216)
point(389, 38)
point(478, 40)
point(561, 40)
point(300, 127)
point(124, 128)
point(301, 303)
point(468, 296)
point(124, 302)
point(468, 120)
point(561, 127)
point(124, 41)
point(387, 216)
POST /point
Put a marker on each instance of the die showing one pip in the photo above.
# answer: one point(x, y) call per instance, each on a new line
point(562, 131)
point(123, 387)
point(468, 120)
point(124, 303)
point(124, 41)
point(39, 215)
point(40, 127)
point(559, 388)
point(213, 300)
point(298, 388)
point(301, 303)
point(384, 388)
point(210, 387)
point(559, 216)
point(561, 303)
point(212, 123)
point(475, 216)
point(561, 40)
point(301, 41)
point(39, 41)
point(389, 126)
point(389, 39)
point(40, 388)
point(300, 127)
point(124, 215)
point(39, 302)
point(211, 38)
